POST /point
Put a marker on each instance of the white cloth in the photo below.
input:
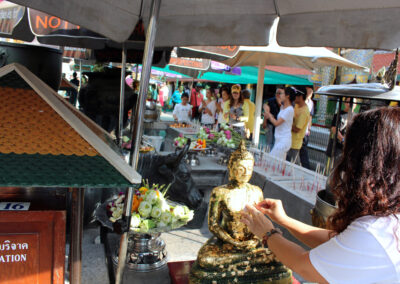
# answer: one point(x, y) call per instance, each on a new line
point(205, 117)
point(285, 129)
point(366, 252)
point(182, 112)
point(310, 105)
point(281, 147)
point(220, 115)
point(283, 133)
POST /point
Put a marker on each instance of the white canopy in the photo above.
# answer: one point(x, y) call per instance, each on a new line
point(339, 23)
point(302, 57)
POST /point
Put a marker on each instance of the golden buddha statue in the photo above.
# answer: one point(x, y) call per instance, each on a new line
point(234, 254)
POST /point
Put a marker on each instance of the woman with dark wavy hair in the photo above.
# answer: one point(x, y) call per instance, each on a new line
point(363, 242)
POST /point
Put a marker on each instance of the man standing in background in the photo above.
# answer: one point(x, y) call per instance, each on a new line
point(305, 162)
point(195, 100)
point(252, 108)
point(274, 106)
point(73, 96)
point(299, 127)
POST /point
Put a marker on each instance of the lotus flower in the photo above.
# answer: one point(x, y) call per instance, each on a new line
point(180, 135)
point(207, 130)
point(161, 224)
point(162, 203)
point(156, 212)
point(166, 217)
point(211, 136)
point(135, 221)
point(146, 225)
point(179, 211)
point(145, 209)
point(151, 196)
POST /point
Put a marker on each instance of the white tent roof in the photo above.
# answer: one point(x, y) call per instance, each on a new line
point(302, 57)
point(339, 23)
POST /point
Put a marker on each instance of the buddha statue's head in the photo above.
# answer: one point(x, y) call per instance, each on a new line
point(241, 164)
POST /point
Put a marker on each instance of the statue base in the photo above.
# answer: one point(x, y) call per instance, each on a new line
point(221, 263)
point(255, 275)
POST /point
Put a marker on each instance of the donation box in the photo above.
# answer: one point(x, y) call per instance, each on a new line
point(32, 247)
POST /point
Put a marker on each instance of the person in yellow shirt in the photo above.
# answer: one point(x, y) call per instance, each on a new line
point(236, 110)
point(252, 109)
point(299, 127)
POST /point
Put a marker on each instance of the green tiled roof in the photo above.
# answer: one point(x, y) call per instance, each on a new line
point(58, 171)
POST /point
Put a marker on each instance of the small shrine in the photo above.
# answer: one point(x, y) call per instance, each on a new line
point(45, 143)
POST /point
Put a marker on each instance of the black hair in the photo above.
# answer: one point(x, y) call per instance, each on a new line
point(185, 95)
point(226, 89)
point(246, 94)
point(280, 87)
point(301, 91)
point(291, 92)
point(74, 75)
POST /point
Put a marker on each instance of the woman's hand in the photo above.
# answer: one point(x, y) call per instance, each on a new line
point(255, 220)
point(274, 209)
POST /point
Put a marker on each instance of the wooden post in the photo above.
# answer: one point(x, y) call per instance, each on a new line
point(75, 251)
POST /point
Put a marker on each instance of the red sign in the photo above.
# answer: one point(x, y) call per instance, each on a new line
point(193, 63)
point(77, 53)
point(226, 50)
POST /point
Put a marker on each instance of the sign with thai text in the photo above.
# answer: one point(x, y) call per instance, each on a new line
point(19, 258)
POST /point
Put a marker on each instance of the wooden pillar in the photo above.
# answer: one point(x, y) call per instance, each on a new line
point(75, 251)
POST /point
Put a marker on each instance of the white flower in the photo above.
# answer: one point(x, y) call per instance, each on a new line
point(135, 221)
point(179, 211)
point(145, 209)
point(166, 217)
point(151, 196)
point(161, 224)
point(156, 212)
point(146, 225)
point(162, 203)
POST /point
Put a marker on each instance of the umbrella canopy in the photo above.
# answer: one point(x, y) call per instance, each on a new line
point(341, 23)
point(302, 57)
point(249, 76)
point(19, 22)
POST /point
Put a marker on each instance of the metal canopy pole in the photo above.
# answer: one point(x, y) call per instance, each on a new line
point(138, 127)
point(334, 145)
point(259, 97)
point(122, 97)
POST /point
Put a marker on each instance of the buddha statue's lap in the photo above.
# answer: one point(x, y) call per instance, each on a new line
point(234, 254)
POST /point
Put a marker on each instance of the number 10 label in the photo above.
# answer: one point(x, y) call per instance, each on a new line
point(14, 206)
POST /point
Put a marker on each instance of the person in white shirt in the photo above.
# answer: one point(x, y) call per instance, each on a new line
point(207, 108)
point(183, 111)
point(283, 123)
point(363, 242)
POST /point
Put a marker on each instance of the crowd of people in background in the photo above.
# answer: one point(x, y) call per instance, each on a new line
point(287, 123)
point(287, 116)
